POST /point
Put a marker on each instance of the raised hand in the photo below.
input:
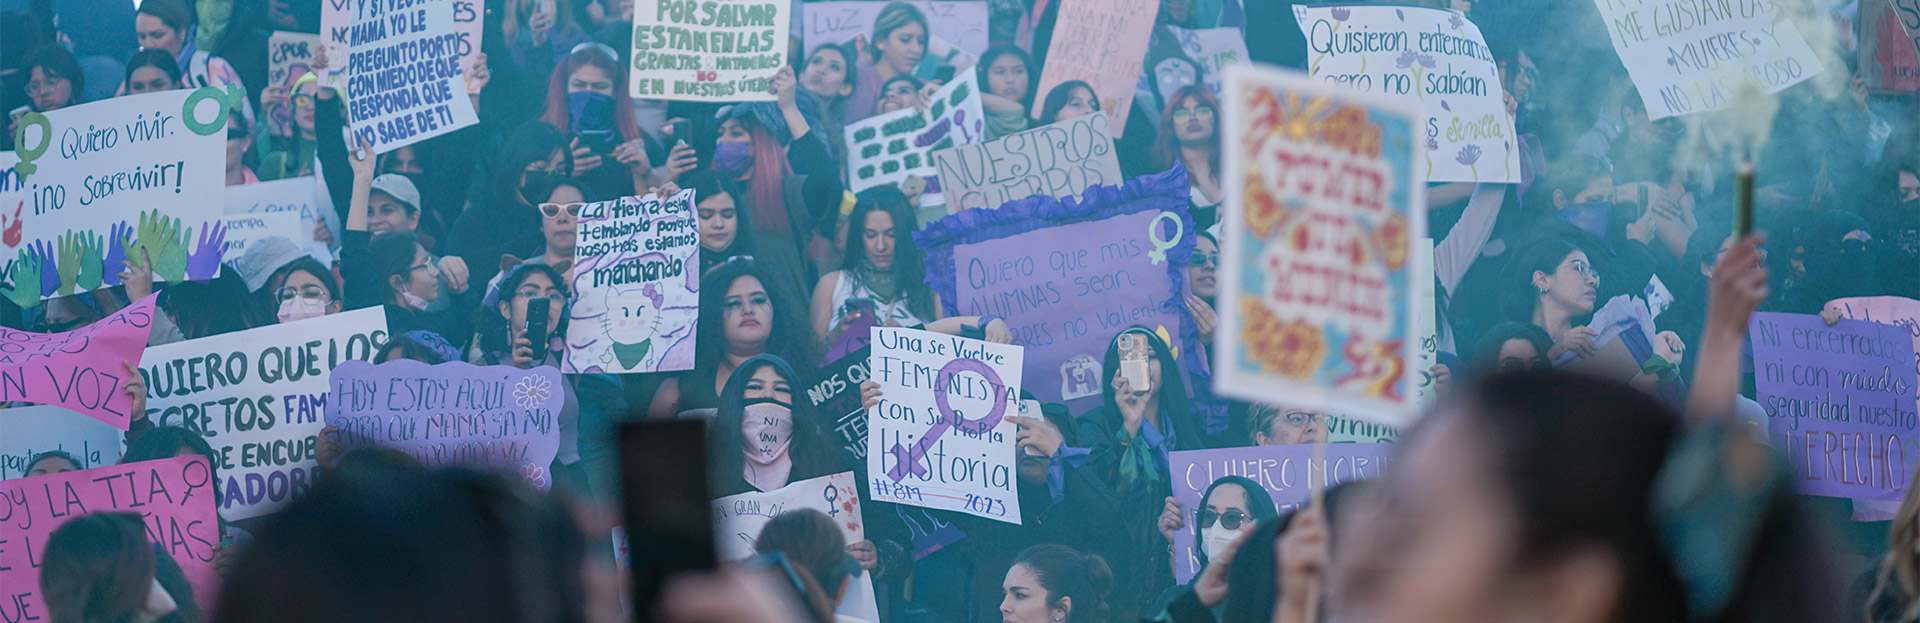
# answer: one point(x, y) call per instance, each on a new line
point(205, 262)
point(49, 278)
point(156, 234)
point(172, 263)
point(26, 281)
point(116, 251)
point(90, 263)
point(68, 263)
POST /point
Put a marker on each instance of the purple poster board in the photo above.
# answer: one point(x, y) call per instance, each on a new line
point(1288, 472)
point(1839, 402)
point(452, 414)
point(1068, 274)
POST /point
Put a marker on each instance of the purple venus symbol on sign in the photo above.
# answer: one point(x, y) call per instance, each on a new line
point(909, 458)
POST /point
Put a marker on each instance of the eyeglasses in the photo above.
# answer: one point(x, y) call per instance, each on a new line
point(552, 210)
point(302, 100)
point(1184, 114)
point(1198, 259)
point(309, 292)
point(1585, 270)
point(34, 88)
point(1229, 520)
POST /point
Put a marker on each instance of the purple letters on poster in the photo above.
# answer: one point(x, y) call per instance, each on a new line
point(1839, 402)
point(452, 414)
point(1285, 471)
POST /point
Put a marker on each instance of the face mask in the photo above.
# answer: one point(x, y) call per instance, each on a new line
point(414, 302)
point(1589, 216)
point(301, 308)
point(767, 431)
point(589, 112)
point(732, 158)
point(1215, 539)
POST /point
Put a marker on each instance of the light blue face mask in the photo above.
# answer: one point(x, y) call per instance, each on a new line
point(1590, 216)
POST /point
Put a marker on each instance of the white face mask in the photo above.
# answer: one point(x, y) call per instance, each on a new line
point(414, 301)
point(1215, 539)
point(301, 308)
point(767, 431)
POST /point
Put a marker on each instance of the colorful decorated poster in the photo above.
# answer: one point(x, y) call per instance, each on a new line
point(1068, 275)
point(1889, 49)
point(106, 180)
point(173, 497)
point(738, 520)
point(958, 23)
point(1437, 57)
point(715, 51)
point(1840, 402)
point(259, 397)
point(1101, 43)
point(80, 369)
point(289, 56)
point(1290, 474)
point(1688, 58)
point(400, 63)
point(453, 414)
point(1324, 215)
point(1059, 160)
point(896, 147)
point(834, 392)
point(467, 24)
point(939, 437)
point(636, 286)
point(299, 195)
point(30, 430)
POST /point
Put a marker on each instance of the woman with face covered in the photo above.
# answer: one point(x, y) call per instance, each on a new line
point(790, 179)
point(761, 439)
point(587, 97)
point(499, 218)
point(1229, 508)
point(746, 309)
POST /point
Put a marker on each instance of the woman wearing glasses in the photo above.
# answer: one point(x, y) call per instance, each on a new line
point(54, 81)
point(1561, 287)
point(560, 201)
point(1230, 507)
point(393, 268)
point(1190, 135)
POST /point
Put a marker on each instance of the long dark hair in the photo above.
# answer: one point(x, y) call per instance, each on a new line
point(1166, 147)
point(994, 53)
point(909, 267)
point(100, 567)
point(1486, 352)
point(1578, 458)
point(1175, 412)
point(1518, 296)
point(532, 141)
point(1063, 572)
point(393, 254)
point(157, 59)
point(55, 59)
point(493, 327)
point(813, 454)
point(791, 338)
point(1260, 508)
point(1057, 99)
point(706, 184)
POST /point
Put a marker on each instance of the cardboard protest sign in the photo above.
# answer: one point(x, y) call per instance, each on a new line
point(1069, 275)
point(1058, 160)
point(1438, 57)
point(1839, 402)
point(174, 498)
point(738, 520)
point(889, 148)
point(717, 51)
point(1889, 51)
point(834, 392)
point(453, 414)
point(1688, 58)
point(298, 195)
point(1215, 49)
point(1323, 216)
point(107, 179)
point(1899, 312)
point(30, 430)
point(246, 229)
point(467, 26)
point(400, 64)
point(80, 369)
point(1101, 43)
point(939, 438)
point(260, 397)
point(1289, 473)
point(289, 56)
point(636, 286)
point(958, 23)
point(1425, 324)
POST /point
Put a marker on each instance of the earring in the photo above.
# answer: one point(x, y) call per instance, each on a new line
point(1543, 291)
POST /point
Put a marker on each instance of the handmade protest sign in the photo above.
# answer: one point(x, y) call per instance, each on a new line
point(30, 430)
point(1352, 430)
point(400, 63)
point(1289, 473)
point(834, 392)
point(1438, 57)
point(174, 498)
point(1425, 324)
point(939, 437)
point(298, 195)
point(1058, 160)
point(467, 26)
point(716, 51)
point(958, 23)
point(1101, 43)
point(1688, 58)
point(636, 286)
point(1215, 49)
point(738, 520)
point(80, 369)
point(889, 148)
point(1068, 275)
point(1903, 313)
point(259, 397)
point(106, 180)
point(1889, 62)
point(1839, 402)
point(452, 414)
point(289, 56)
point(246, 229)
point(1323, 215)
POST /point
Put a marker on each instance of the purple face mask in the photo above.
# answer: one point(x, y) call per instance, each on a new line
point(732, 158)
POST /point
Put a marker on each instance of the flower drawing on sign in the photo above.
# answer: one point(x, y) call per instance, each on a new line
point(1292, 349)
point(1264, 211)
point(1391, 237)
point(532, 391)
point(1470, 154)
point(1376, 367)
point(1348, 128)
point(1341, 14)
point(1455, 21)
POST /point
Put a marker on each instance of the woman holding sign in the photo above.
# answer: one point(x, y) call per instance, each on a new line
point(884, 279)
point(746, 310)
point(761, 439)
point(791, 178)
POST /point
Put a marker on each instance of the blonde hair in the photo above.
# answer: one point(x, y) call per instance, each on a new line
point(1901, 564)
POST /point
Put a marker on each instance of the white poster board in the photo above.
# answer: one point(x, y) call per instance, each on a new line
point(1688, 58)
point(715, 51)
point(400, 63)
point(302, 196)
point(636, 286)
point(959, 23)
point(1057, 160)
point(30, 430)
point(738, 520)
point(892, 147)
point(939, 437)
point(246, 229)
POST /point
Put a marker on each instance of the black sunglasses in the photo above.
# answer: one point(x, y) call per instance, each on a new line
point(1229, 520)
